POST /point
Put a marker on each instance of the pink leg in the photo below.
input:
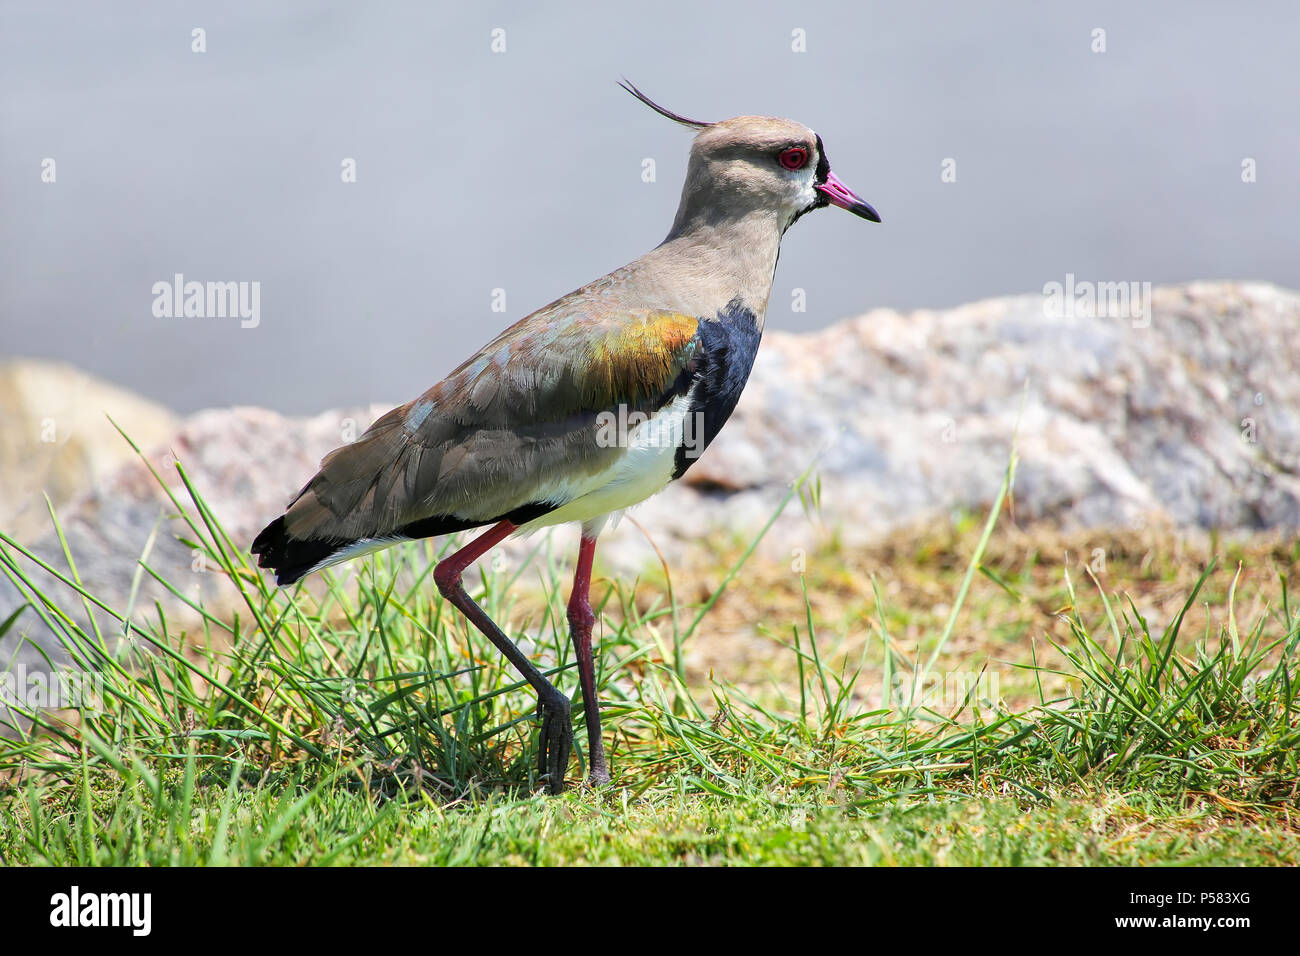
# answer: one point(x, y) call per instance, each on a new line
point(557, 730)
point(581, 621)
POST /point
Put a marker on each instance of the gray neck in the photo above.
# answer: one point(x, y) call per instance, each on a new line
point(701, 266)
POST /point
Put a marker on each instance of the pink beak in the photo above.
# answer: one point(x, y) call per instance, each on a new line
point(840, 195)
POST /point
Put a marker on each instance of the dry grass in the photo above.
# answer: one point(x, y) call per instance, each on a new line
point(917, 571)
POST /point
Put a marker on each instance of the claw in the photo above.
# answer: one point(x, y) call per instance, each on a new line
point(555, 741)
point(543, 739)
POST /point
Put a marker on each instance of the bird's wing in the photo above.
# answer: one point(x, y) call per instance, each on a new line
point(507, 435)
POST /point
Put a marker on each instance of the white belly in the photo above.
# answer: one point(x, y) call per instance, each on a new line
point(644, 470)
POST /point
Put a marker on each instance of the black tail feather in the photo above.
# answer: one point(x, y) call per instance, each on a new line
point(291, 558)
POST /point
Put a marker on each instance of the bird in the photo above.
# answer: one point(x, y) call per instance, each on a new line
point(581, 409)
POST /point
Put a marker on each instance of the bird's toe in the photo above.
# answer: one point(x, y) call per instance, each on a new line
point(555, 742)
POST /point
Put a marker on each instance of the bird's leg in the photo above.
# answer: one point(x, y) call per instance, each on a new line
point(557, 728)
point(581, 621)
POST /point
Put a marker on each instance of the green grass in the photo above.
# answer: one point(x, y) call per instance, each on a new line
point(369, 724)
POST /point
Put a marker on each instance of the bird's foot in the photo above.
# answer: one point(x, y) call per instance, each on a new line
point(598, 766)
point(555, 740)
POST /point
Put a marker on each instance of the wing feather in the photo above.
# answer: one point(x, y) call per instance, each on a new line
point(516, 419)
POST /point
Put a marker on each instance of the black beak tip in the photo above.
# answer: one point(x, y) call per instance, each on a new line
point(866, 211)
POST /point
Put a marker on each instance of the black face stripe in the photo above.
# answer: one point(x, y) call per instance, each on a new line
point(823, 165)
point(823, 173)
point(819, 178)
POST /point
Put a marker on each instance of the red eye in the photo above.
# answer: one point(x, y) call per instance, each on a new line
point(796, 157)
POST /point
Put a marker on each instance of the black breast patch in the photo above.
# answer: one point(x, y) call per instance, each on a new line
point(726, 356)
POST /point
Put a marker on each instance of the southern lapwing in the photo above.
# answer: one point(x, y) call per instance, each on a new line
point(587, 406)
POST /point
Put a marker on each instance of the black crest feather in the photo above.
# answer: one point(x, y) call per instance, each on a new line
point(675, 117)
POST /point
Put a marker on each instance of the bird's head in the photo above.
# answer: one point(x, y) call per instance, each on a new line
point(757, 163)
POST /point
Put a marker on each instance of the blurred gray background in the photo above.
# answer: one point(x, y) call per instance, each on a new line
point(522, 170)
